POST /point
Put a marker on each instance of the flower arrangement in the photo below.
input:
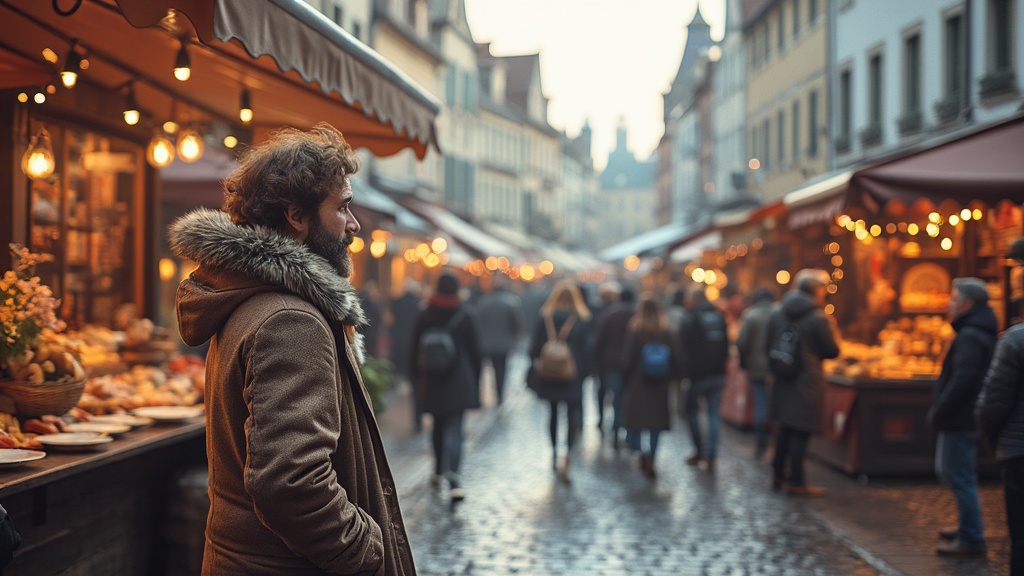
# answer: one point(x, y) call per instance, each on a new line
point(27, 307)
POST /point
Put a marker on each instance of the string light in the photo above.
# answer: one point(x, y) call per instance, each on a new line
point(160, 152)
point(183, 64)
point(190, 145)
point(245, 107)
point(131, 108)
point(230, 141)
point(72, 66)
point(38, 161)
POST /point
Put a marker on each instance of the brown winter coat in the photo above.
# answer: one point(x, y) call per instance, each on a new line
point(299, 482)
point(645, 404)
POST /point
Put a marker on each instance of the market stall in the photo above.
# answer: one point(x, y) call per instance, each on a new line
point(907, 227)
point(96, 98)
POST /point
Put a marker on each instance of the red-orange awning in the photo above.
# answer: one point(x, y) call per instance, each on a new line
point(298, 67)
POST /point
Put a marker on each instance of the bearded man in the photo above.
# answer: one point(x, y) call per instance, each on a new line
point(299, 483)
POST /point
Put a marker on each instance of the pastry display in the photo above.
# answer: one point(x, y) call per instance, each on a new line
point(908, 348)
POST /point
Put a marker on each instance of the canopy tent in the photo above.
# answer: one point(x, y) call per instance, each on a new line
point(652, 241)
point(693, 246)
point(297, 66)
point(818, 201)
point(985, 165)
point(477, 242)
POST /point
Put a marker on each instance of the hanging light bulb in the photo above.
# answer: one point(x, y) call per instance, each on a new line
point(38, 161)
point(183, 64)
point(72, 66)
point(160, 152)
point(245, 108)
point(190, 145)
point(131, 108)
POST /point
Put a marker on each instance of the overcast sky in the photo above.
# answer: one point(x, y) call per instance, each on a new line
point(600, 59)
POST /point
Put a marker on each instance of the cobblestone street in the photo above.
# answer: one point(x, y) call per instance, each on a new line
point(518, 519)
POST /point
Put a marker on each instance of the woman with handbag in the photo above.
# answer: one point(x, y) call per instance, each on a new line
point(558, 350)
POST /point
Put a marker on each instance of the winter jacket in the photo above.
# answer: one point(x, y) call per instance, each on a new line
point(752, 342)
point(571, 392)
point(500, 316)
point(963, 371)
point(460, 390)
point(645, 403)
point(609, 346)
point(1000, 409)
point(798, 403)
point(298, 480)
point(704, 342)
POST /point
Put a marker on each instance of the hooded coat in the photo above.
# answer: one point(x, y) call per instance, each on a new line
point(798, 403)
point(299, 482)
point(459, 391)
point(963, 370)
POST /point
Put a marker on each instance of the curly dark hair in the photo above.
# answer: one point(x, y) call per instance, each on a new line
point(291, 167)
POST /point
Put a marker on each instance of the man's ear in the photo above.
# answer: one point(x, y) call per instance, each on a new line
point(296, 223)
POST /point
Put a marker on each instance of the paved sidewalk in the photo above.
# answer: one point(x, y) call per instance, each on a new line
point(890, 524)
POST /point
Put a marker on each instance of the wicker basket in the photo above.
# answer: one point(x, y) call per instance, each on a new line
point(34, 400)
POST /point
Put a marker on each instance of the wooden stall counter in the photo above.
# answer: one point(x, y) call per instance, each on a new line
point(877, 427)
point(103, 511)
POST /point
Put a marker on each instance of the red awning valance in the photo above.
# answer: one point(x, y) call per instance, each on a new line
point(985, 165)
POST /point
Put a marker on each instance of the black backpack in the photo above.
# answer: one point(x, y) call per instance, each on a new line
point(437, 353)
point(785, 354)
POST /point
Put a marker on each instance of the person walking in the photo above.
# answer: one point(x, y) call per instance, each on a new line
point(298, 479)
point(652, 361)
point(751, 344)
point(704, 342)
point(404, 311)
point(447, 387)
point(369, 299)
point(501, 312)
point(952, 414)
point(564, 318)
point(608, 352)
point(797, 399)
point(607, 294)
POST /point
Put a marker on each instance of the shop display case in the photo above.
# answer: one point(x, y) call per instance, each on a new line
point(85, 215)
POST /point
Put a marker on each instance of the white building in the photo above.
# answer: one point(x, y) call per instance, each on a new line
point(906, 73)
point(728, 110)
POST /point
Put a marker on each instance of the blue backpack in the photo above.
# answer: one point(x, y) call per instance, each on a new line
point(655, 360)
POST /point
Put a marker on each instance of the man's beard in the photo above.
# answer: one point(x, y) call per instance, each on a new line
point(332, 249)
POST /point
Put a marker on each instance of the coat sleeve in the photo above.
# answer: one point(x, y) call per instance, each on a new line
point(969, 368)
point(293, 429)
point(825, 342)
point(1001, 390)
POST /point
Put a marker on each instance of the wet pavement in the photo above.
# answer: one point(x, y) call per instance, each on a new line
point(518, 519)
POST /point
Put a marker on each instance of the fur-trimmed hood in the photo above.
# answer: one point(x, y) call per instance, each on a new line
point(238, 262)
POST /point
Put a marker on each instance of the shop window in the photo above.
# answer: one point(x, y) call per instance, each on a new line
point(842, 137)
point(872, 133)
point(87, 215)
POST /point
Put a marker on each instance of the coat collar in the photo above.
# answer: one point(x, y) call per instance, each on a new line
point(210, 238)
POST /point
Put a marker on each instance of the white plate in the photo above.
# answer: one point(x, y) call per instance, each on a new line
point(169, 413)
point(73, 440)
point(98, 427)
point(126, 419)
point(15, 456)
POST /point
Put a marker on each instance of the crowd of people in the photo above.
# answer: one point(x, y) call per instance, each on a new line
point(639, 351)
point(298, 478)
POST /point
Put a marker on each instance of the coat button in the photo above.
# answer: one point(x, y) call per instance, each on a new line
point(387, 490)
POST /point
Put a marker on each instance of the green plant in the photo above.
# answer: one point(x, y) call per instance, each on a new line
point(377, 379)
